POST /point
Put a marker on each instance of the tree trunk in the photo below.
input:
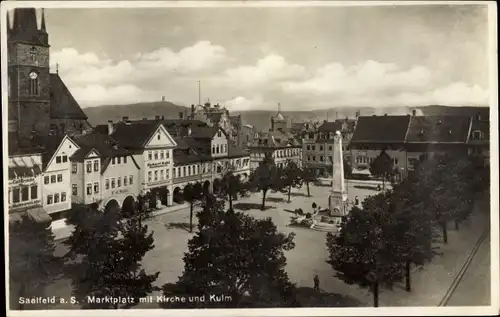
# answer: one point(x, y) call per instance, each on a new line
point(263, 207)
point(230, 201)
point(308, 191)
point(289, 192)
point(383, 182)
point(445, 232)
point(375, 294)
point(408, 277)
point(191, 217)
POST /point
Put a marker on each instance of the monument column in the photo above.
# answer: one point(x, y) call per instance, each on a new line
point(338, 196)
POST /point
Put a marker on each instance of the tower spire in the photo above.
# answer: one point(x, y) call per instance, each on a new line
point(279, 107)
point(42, 27)
point(25, 20)
point(8, 23)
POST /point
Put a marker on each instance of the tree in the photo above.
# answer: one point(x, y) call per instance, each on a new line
point(266, 177)
point(236, 255)
point(364, 252)
point(107, 251)
point(32, 263)
point(230, 187)
point(192, 194)
point(292, 177)
point(308, 176)
point(413, 227)
point(382, 166)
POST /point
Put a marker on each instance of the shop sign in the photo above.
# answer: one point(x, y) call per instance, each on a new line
point(22, 181)
point(25, 204)
point(158, 164)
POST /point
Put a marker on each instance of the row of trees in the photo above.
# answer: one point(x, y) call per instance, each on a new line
point(396, 230)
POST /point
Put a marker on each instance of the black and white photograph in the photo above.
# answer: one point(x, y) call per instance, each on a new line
point(250, 158)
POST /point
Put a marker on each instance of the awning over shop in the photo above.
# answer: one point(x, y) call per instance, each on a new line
point(39, 215)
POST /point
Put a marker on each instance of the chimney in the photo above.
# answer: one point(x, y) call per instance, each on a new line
point(414, 112)
point(163, 98)
point(157, 118)
point(163, 117)
point(385, 114)
point(124, 118)
point(181, 115)
point(110, 127)
point(192, 111)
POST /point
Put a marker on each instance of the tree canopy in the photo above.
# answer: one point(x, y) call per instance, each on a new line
point(266, 177)
point(382, 166)
point(292, 177)
point(236, 255)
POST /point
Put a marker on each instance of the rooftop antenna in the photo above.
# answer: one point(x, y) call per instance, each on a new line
point(199, 92)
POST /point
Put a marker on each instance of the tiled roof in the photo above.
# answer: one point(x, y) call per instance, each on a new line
point(381, 129)
point(235, 151)
point(330, 126)
point(17, 146)
point(438, 129)
point(103, 143)
point(189, 150)
point(133, 136)
point(275, 139)
point(62, 103)
point(50, 145)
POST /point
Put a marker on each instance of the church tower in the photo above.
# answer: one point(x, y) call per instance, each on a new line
point(28, 73)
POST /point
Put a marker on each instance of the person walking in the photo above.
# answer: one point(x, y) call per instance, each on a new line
point(356, 201)
point(316, 283)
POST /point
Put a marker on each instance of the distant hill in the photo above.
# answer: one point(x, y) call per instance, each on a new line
point(101, 114)
point(261, 119)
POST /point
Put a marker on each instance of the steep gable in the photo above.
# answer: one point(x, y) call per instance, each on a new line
point(62, 103)
point(160, 138)
point(66, 147)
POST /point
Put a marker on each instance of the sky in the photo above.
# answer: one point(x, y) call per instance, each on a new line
point(254, 58)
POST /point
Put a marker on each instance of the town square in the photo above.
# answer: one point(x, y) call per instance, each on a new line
point(214, 165)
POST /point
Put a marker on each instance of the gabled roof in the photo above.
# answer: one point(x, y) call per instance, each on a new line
point(51, 144)
point(438, 129)
point(278, 117)
point(134, 136)
point(105, 145)
point(276, 139)
point(235, 151)
point(381, 129)
point(62, 103)
point(330, 126)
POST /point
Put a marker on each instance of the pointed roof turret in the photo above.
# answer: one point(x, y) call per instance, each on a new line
point(25, 28)
point(42, 27)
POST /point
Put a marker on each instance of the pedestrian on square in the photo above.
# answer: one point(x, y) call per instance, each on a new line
point(316, 283)
point(356, 201)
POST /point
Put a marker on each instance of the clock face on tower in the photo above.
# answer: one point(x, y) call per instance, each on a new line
point(33, 75)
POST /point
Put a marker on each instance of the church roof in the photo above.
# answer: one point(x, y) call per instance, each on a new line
point(25, 28)
point(279, 117)
point(62, 103)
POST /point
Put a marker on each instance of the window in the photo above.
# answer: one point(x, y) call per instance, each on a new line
point(74, 189)
point(313, 148)
point(59, 178)
point(189, 170)
point(124, 160)
point(53, 178)
point(331, 158)
point(125, 181)
point(58, 159)
point(156, 155)
point(150, 176)
point(46, 180)
point(89, 189)
point(219, 133)
point(33, 86)
point(119, 160)
point(74, 168)
point(396, 161)
point(96, 165)
point(106, 184)
point(184, 170)
point(15, 195)
point(167, 153)
point(156, 175)
point(56, 198)
point(33, 53)
point(89, 167)
point(113, 185)
point(63, 196)
point(25, 193)
point(314, 158)
point(118, 182)
point(162, 175)
point(173, 171)
point(308, 147)
point(64, 158)
point(166, 174)
point(130, 180)
point(162, 155)
point(213, 149)
point(477, 135)
point(96, 188)
point(49, 199)
point(158, 136)
point(113, 160)
point(321, 158)
point(150, 155)
point(34, 192)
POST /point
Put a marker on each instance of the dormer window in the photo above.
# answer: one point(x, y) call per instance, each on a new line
point(477, 135)
point(219, 133)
